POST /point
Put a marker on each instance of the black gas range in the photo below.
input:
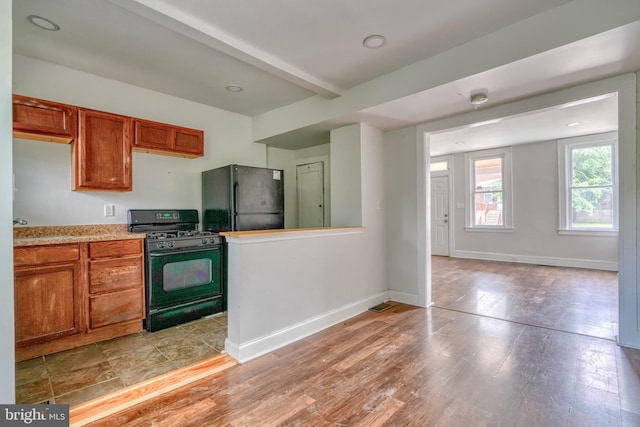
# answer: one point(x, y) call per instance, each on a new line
point(184, 267)
point(181, 239)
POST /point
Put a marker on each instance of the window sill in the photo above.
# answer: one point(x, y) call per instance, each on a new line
point(596, 233)
point(490, 229)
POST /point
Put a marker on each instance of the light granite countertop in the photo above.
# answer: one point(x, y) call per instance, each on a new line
point(52, 235)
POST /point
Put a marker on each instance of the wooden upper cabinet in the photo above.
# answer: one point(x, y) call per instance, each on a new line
point(102, 152)
point(43, 120)
point(162, 138)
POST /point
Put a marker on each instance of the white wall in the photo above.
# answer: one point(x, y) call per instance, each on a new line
point(346, 196)
point(7, 356)
point(43, 170)
point(535, 238)
point(401, 219)
point(285, 287)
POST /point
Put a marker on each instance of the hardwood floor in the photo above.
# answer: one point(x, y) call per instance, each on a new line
point(410, 366)
point(568, 299)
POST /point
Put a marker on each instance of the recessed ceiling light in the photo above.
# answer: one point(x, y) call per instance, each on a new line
point(43, 23)
point(572, 124)
point(374, 41)
point(234, 88)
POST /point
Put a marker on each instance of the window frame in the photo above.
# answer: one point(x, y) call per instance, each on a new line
point(565, 148)
point(439, 160)
point(470, 158)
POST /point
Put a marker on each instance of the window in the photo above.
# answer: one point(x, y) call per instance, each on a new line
point(439, 166)
point(489, 190)
point(588, 177)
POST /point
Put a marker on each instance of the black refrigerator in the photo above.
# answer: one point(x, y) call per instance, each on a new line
point(236, 198)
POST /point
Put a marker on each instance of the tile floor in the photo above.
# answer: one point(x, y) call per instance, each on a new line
point(84, 373)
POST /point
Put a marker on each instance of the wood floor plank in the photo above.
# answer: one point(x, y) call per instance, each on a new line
point(412, 366)
point(109, 404)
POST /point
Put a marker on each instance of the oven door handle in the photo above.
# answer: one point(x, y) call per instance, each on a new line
point(183, 251)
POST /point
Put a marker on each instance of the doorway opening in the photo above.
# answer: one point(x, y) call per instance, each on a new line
point(531, 273)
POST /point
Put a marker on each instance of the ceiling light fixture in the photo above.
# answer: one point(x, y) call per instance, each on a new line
point(43, 23)
point(374, 41)
point(479, 98)
point(234, 88)
point(572, 124)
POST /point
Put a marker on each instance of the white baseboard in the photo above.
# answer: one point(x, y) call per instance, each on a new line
point(403, 297)
point(243, 352)
point(526, 259)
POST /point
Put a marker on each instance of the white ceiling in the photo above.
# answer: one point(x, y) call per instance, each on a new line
point(283, 51)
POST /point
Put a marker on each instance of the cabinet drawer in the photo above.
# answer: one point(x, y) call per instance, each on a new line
point(116, 307)
point(106, 275)
point(115, 248)
point(35, 255)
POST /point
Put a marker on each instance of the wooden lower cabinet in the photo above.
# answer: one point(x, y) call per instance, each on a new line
point(48, 303)
point(116, 283)
point(65, 297)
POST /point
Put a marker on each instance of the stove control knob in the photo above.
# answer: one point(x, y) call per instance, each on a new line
point(170, 244)
point(162, 245)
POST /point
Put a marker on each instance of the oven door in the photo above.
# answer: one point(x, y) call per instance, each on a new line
point(179, 276)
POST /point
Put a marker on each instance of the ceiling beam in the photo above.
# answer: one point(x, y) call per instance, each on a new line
point(196, 29)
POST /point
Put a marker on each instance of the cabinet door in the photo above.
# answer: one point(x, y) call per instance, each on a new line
point(162, 138)
point(47, 303)
point(102, 152)
point(189, 141)
point(36, 116)
point(152, 135)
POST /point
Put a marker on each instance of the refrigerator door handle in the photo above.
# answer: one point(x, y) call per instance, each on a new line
point(234, 214)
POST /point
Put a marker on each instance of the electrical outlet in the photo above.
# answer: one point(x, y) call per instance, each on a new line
point(109, 210)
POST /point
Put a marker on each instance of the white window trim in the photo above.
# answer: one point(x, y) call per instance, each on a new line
point(564, 168)
point(507, 189)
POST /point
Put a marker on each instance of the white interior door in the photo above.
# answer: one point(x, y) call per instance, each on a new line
point(440, 215)
point(310, 190)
